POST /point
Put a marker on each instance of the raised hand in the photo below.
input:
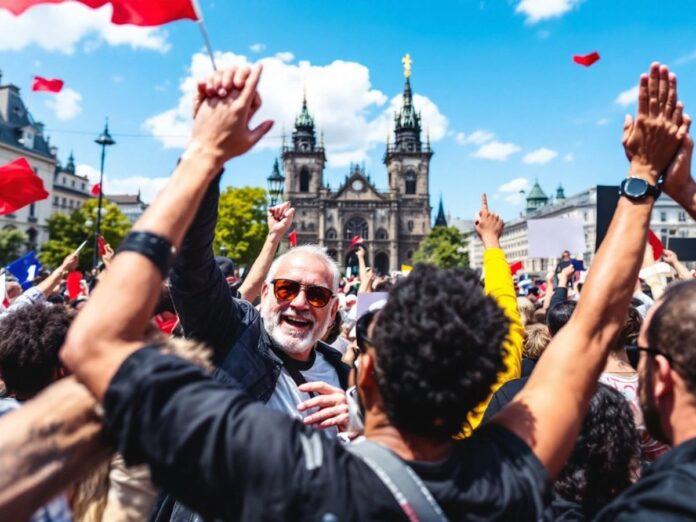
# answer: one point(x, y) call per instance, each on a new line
point(489, 226)
point(280, 218)
point(678, 181)
point(223, 110)
point(653, 138)
point(70, 262)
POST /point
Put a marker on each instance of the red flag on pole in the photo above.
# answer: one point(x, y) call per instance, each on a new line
point(292, 238)
point(53, 85)
point(101, 244)
point(19, 186)
point(357, 240)
point(134, 12)
point(96, 190)
point(656, 245)
point(516, 267)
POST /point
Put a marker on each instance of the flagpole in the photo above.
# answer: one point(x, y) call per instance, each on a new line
point(204, 32)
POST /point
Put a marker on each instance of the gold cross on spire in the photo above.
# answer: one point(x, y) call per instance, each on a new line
point(406, 60)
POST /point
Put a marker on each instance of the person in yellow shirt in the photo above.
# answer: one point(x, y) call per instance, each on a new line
point(499, 285)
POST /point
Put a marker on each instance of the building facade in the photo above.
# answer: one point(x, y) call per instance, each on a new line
point(392, 221)
point(22, 137)
point(70, 190)
point(130, 204)
point(668, 220)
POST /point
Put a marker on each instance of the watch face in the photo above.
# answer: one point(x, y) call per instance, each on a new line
point(635, 187)
point(357, 185)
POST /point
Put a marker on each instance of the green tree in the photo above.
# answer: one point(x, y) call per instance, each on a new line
point(67, 232)
point(242, 225)
point(12, 244)
point(444, 247)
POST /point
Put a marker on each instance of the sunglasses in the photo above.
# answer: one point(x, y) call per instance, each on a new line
point(287, 290)
point(633, 351)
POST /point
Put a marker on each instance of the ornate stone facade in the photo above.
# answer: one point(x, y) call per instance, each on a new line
point(392, 222)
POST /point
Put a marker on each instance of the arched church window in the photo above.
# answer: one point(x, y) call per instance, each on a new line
point(410, 226)
point(304, 180)
point(331, 233)
point(381, 234)
point(410, 179)
point(356, 226)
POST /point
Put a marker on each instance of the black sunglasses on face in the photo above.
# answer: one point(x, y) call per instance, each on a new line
point(633, 351)
point(287, 290)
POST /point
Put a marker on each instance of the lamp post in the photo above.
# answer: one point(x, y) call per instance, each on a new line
point(105, 140)
point(276, 183)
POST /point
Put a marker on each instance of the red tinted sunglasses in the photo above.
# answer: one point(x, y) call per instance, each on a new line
point(287, 290)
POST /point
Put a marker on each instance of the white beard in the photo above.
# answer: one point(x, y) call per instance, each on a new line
point(292, 344)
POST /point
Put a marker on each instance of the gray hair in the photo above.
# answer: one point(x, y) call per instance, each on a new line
point(315, 250)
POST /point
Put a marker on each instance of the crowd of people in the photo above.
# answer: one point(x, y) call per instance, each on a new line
point(172, 391)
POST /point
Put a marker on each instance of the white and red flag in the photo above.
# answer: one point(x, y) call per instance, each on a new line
point(133, 12)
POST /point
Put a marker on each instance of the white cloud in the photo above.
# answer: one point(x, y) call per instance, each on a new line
point(285, 56)
point(496, 151)
point(257, 47)
point(354, 116)
point(478, 137)
point(66, 104)
point(569, 157)
point(602, 122)
point(148, 187)
point(627, 97)
point(512, 191)
point(60, 27)
point(539, 156)
point(538, 10)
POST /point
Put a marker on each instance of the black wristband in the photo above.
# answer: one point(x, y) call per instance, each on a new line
point(156, 248)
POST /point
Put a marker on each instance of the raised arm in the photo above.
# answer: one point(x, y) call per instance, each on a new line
point(499, 285)
point(279, 221)
point(367, 276)
point(549, 411)
point(99, 342)
point(671, 258)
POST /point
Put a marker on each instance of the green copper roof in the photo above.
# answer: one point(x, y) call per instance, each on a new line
point(276, 173)
point(536, 193)
point(407, 117)
point(441, 220)
point(304, 120)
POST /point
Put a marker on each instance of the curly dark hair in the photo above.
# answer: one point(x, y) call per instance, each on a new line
point(439, 346)
point(605, 456)
point(630, 330)
point(30, 339)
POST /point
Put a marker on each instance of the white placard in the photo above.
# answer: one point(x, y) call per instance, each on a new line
point(551, 236)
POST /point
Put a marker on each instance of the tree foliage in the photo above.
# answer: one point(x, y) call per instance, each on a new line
point(13, 242)
point(242, 225)
point(67, 232)
point(444, 247)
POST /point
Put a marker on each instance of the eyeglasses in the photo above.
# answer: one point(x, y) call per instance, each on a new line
point(652, 352)
point(287, 290)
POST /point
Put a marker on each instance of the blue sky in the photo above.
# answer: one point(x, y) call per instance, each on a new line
point(500, 94)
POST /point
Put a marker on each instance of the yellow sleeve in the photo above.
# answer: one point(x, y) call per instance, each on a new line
point(499, 285)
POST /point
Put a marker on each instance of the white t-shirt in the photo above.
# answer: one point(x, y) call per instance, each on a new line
point(286, 396)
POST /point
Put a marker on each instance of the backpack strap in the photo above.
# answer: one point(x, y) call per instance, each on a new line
point(408, 489)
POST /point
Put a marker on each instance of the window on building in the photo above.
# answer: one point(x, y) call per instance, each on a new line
point(663, 216)
point(410, 226)
point(55, 200)
point(331, 233)
point(32, 210)
point(410, 180)
point(304, 180)
point(83, 186)
point(682, 217)
point(64, 202)
point(356, 226)
point(381, 234)
point(28, 138)
point(65, 181)
point(72, 183)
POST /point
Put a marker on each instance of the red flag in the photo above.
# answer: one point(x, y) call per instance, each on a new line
point(53, 85)
point(516, 267)
point(656, 245)
point(101, 244)
point(166, 322)
point(292, 238)
point(135, 12)
point(357, 240)
point(96, 190)
point(19, 186)
point(587, 59)
point(73, 284)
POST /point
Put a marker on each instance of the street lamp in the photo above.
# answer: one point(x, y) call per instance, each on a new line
point(105, 140)
point(276, 183)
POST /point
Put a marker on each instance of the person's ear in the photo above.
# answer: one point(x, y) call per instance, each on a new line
point(366, 371)
point(663, 381)
point(264, 290)
point(334, 306)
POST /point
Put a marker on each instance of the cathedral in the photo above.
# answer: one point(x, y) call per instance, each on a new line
point(391, 222)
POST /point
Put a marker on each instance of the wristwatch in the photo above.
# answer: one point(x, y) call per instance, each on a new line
point(638, 188)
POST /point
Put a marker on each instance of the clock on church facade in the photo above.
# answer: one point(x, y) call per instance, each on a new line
point(392, 221)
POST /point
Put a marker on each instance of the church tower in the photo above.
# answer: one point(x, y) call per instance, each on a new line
point(408, 170)
point(303, 161)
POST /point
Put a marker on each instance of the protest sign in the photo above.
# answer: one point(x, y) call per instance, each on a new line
point(551, 236)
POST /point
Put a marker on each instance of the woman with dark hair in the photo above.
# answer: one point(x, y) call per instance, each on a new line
point(604, 462)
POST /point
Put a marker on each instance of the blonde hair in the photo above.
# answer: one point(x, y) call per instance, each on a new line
point(526, 308)
point(536, 339)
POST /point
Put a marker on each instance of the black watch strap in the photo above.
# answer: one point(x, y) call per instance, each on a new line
point(156, 248)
